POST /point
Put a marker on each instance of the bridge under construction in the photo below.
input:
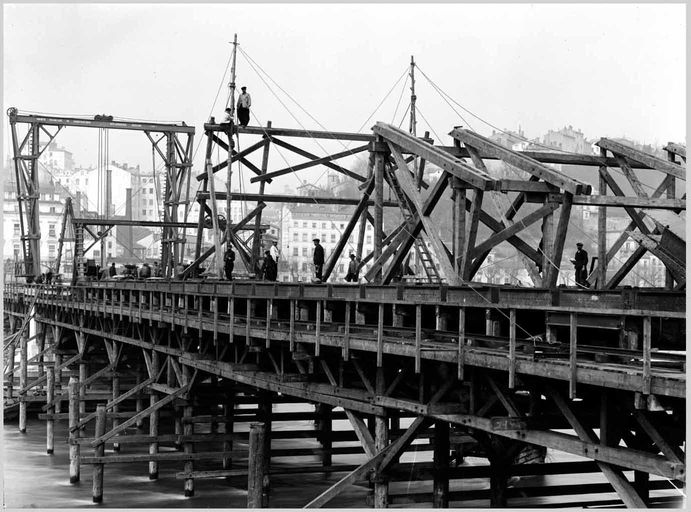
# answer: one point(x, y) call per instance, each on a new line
point(195, 370)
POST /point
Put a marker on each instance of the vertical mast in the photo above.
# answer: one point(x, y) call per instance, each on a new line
point(413, 118)
point(231, 85)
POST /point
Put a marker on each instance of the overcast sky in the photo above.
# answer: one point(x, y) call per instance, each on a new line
point(608, 70)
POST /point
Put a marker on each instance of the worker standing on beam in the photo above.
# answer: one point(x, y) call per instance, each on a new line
point(244, 104)
point(580, 262)
point(318, 260)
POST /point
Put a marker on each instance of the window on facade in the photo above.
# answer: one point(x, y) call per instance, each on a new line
point(314, 225)
point(304, 267)
point(323, 236)
point(369, 239)
point(76, 181)
point(151, 202)
point(110, 245)
point(342, 225)
point(304, 237)
point(304, 224)
point(304, 251)
point(52, 209)
point(340, 268)
point(16, 251)
point(151, 190)
point(323, 225)
point(143, 212)
point(295, 224)
point(51, 230)
point(16, 230)
point(295, 237)
point(97, 254)
point(333, 237)
point(369, 227)
point(51, 250)
point(314, 235)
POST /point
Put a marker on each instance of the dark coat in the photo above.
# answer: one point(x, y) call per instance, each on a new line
point(581, 259)
point(318, 257)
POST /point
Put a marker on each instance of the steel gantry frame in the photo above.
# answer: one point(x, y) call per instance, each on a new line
point(176, 155)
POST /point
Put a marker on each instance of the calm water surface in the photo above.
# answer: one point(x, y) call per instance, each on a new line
point(33, 479)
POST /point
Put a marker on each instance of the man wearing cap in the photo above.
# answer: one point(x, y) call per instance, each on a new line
point(244, 104)
point(318, 259)
point(352, 275)
point(580, 261)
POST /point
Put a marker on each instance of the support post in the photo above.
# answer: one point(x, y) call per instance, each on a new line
point(153, 420)
point(440, 493)
point(381, 440)
point(50, 398)
point(116, 408)
point(82, 388)
point(255, 470)
point(73, 388)
point(228, 412)
point(97, 483)
point(602, 230)
point(188, 446)
point(379, 205)
point(325, 432)
point(23, 378)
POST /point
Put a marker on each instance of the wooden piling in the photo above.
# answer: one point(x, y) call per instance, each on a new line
point(440, 493)
point(188, 446)
point(73, 387)
point(255, 470)
point(10, 370)
point(139, 402)
point(50, 398)
point(23, 378)
point(228, 413)
point(381, 440)
point(82, 388)
point(116, 408)
point(97, 482)
point(325, 432)
point(153, 420)
point(58, 380)
point(265, 413)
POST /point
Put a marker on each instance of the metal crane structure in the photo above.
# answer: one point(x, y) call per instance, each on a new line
point(500, 371)
point(172, 142)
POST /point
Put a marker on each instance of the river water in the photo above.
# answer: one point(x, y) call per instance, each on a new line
point(33, 479)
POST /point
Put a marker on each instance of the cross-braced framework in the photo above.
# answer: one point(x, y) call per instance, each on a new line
point(473, 187)
point(178, 140)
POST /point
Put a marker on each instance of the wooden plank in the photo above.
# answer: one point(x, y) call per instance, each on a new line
point(328, 164)
point(647, 335)
point(159, 457)
point(573, 351)
point(418, 337)
point(512, 348)
point(314, 162)
point(514, 228)
point(144, 413)
point(408, 187)
point(519, 160)
point(380, 335)
point(670, 451)
point(430, 153)
point(559, 240)
point(671, 168)
point(461, 343)
point(345, 235)
point(279, 198)
point(615, 476)
point(624, 202)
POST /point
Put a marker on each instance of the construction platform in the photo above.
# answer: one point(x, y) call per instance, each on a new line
point(498, 371)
